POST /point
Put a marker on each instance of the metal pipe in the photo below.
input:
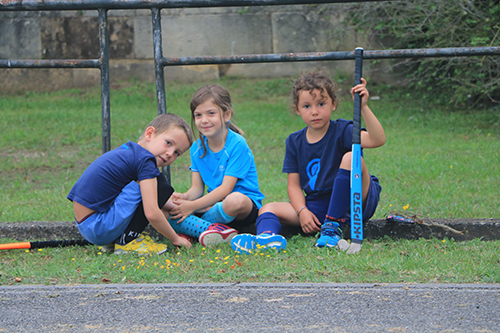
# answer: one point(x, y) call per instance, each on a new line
point(30, 5)
point(261, 58)
point(105, 86)
point(158, 54)
point(433, 53)
point(322, 56)
point(50, 63)
point(159, 73)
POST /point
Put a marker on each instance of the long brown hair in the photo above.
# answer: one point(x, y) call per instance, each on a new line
point(221, 98)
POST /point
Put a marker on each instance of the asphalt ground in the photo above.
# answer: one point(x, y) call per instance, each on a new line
point(251, 308)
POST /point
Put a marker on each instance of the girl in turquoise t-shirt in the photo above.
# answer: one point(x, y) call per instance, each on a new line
point(222, 161)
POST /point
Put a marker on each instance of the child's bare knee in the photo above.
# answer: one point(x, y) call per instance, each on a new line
point(346, 161)
point(268, 208)
point(235, 202)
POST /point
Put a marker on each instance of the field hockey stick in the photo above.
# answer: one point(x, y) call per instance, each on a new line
point(356, 176)
point(42, 244)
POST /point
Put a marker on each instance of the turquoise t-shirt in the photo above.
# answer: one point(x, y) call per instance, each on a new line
point(235, 160)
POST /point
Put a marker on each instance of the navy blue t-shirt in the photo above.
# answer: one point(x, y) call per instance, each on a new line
point(318, 163)
point(105, 178)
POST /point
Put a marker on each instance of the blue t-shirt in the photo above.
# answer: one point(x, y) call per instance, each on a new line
point(235, 160)
point(318, 163)
point(105, 178)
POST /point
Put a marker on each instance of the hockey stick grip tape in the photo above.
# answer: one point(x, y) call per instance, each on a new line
point(358, 68)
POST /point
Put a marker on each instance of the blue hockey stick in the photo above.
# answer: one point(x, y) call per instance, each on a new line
point(356, 177)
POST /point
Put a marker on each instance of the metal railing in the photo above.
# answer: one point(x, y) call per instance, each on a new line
point(102, 6)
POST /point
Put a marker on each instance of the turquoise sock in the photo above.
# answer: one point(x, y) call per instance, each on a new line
point(216, 214)
point(192, 226)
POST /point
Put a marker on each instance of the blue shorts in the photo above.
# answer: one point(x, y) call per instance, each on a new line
point(103, 228)
point(319, 204)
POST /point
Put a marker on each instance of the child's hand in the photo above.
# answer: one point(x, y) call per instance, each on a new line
point(183, 209)
point(182, 242)
point(309, 222)
point(176, 196)
point(363, 92)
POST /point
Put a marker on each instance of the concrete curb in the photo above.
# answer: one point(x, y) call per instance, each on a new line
point(485, 229)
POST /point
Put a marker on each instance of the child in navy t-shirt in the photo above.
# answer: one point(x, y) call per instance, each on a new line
point(123, 190)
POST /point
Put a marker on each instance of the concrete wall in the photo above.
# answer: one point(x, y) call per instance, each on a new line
point(185, 32)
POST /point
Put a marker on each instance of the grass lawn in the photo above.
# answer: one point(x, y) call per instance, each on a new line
point(437, 161)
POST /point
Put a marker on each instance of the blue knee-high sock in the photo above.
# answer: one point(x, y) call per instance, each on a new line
point(340, 201)
point(192, 226)
point(216, 214)
point(268, 223)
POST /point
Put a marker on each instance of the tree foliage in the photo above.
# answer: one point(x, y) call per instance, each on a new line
point(437, 24)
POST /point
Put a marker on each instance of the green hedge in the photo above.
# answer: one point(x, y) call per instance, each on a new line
point(438, 24)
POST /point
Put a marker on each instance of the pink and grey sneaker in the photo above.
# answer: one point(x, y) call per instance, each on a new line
point(216, 234)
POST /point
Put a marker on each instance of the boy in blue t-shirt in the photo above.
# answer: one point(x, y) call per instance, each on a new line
point(123, 190)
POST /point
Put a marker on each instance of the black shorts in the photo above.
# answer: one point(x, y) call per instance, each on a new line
point(246, 225)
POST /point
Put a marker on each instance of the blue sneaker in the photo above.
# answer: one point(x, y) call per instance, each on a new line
point(245, 243)
point(330, 235)
point(271, 241)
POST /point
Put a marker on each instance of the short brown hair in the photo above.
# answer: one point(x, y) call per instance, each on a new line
point(310, 81)
point(164, 122)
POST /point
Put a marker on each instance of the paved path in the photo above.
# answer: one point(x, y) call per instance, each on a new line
point(251, 308)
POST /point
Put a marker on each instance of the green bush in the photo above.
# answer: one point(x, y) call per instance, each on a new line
point(415, 24)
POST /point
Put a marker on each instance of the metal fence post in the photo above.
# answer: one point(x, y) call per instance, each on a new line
point(159, 73)
point(158, 54)
point(105, 89)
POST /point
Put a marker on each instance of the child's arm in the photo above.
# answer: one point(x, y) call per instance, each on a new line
point(308, 221)
point(168, 206)
point(374, 136)
point(149, 193)
point(195, 191)
point(186, 208)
